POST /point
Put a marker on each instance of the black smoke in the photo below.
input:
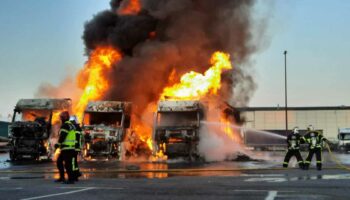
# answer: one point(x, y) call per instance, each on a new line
point(187, 32)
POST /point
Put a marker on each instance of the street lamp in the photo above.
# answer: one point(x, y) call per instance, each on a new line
point(285, 89)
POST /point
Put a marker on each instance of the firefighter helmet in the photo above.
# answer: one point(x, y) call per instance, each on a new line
point(310, 128)
point(74, 119)
point(64, 116)
point(296, 130)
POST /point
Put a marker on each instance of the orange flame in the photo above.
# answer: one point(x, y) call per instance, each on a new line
point(152, 34)
point(129, 7)
point(227, 129)
point(56, 154)
point(56, 117)
point(92, 77)
point(194, 85)
point(143, 131)
point(160, 156)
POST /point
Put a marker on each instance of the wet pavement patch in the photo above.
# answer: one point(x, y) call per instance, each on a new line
point(27, 177)
point(132, 167)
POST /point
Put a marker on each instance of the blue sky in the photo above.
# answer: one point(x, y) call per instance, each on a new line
point(315, 34)
point(41, 41)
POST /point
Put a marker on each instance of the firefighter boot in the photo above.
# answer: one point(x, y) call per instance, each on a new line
point(301, 164)
point(319, 166)
point(59, 180)
point(285, 164)
point(68, 182)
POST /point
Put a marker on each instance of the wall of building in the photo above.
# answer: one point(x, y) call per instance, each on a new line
point(327, 120)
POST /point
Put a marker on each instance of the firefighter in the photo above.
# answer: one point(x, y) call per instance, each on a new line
point(78, 146)
point(293, 141)
point(315, 141)
point(66, 143)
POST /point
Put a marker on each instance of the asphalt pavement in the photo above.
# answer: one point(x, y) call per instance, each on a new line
point(102, 179)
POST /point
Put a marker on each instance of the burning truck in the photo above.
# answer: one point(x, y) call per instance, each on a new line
point(34, 122)
point(176, 128)
point(105, 125)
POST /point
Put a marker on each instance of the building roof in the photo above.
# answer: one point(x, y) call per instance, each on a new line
point(314, 108)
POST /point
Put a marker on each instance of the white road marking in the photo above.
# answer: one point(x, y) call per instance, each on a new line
point(267, 179)
point(284, 191)
point(58, 194)
point(262, 175)
point(271, 195)
point(99, 188)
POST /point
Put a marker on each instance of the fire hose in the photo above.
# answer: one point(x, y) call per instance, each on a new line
point(335, 159)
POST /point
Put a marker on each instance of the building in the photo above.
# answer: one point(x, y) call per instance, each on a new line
point(327, 119)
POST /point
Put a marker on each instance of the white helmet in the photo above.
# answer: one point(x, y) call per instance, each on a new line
point(74, 119)
point(296, 130)
point(310, 128)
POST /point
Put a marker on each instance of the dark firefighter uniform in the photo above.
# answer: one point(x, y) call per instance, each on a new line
point(66, 142)
point(78, 147)
point(315, 141)
point(293, 141)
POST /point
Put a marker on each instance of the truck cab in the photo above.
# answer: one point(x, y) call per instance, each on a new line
point(105, 124)
point(176, 128)
point(344, 139)
point(34, 122)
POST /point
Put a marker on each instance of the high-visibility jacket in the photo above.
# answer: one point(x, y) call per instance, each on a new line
point(314, 139)
point(67, 138)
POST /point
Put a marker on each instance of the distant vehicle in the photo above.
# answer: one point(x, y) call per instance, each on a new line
point(32, 125)
point(105, 125)
point(344, 139)
point(176, 128)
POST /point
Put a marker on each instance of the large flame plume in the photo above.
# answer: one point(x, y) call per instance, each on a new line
point(194, 85)
point(92, 78)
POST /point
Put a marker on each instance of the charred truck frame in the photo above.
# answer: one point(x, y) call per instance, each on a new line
point(105, 124)
point(176, 128)
point(32, 126)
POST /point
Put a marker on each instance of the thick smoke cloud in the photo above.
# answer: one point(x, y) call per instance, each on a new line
point(123, 32)
point(185, 34)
